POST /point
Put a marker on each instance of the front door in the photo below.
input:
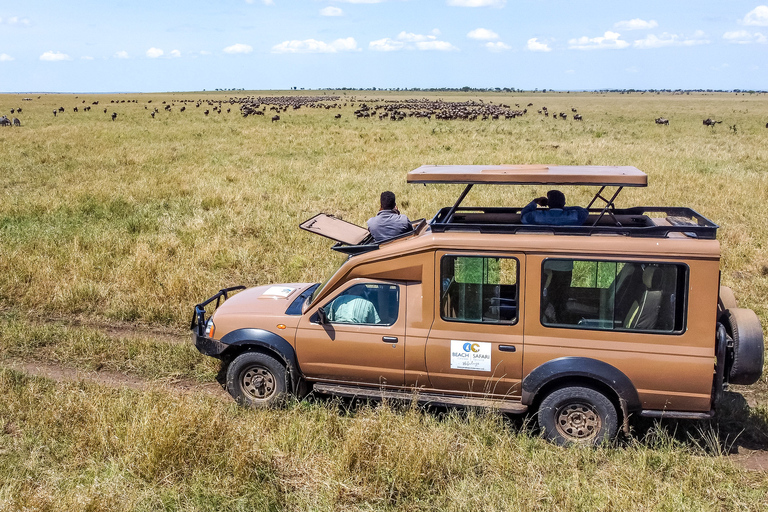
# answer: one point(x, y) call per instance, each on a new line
point(475, 345)
point(363, 341)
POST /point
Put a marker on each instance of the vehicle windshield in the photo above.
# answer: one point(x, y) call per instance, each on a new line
point(312, 297)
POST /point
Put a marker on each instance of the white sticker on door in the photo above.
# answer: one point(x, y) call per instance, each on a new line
point(470, 355)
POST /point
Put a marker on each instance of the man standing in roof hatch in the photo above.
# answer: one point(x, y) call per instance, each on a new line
point(556, 215)
point(389, 222)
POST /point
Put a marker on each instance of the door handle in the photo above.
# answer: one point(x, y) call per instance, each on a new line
point(507, 348)
point(389, 339)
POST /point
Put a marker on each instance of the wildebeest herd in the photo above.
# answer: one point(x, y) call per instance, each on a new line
point(380, 109)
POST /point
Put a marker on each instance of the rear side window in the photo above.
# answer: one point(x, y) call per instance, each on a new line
point(478, 289)
point(614, 295)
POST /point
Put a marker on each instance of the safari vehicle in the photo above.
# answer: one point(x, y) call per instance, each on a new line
point(584, 325)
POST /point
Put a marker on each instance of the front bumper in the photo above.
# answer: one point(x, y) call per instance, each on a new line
point(208, 346)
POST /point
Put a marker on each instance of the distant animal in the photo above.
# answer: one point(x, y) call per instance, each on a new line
point(577, 117)
point(710, 122)
point(661, 120)
point(105, 110)
point(18, 111)
point(766, 125)
point(275, 118)
point(54, 113)
point(74, 109)
point(114, 115)
point(4, 121)
point(12, 111)
point(337, 116)
point(16, 121)
point(61, 109)
point(152, 114)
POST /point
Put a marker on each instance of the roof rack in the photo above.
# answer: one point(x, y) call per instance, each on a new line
point(639, 221)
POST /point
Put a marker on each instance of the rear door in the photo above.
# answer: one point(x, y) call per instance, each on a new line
point(475, 345)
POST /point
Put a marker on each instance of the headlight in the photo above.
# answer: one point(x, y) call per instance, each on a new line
point(209, 329)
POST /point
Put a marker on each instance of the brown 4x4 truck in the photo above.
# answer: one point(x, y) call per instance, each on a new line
point(585, 325)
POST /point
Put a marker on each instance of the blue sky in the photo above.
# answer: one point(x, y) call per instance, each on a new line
point(184, 45)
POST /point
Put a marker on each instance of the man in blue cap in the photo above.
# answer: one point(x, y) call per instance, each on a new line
point(557, 214)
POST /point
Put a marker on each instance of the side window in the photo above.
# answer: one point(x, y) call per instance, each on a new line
point(368, 303)
point(613, 295)
point(477, 289)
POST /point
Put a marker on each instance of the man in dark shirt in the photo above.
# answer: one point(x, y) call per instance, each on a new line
point(389, 222)
point(557, 215)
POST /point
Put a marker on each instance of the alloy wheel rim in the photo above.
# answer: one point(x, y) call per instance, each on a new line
point(257, 382)
point(578, 421)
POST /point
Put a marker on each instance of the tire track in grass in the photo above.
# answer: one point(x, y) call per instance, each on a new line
point(61, 373)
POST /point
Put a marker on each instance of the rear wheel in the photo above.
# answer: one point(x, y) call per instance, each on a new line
point(256, 380)
point(746, 356)
point(578, 415)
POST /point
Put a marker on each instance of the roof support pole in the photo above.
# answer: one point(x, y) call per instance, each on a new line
point(450, 213)
point(608, 205)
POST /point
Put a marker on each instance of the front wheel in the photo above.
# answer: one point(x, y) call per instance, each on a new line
point(256, 380)
point(578, 415)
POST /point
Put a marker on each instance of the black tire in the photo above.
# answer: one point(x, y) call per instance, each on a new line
point(578, 415)
point(257, 380)
point(745, 364)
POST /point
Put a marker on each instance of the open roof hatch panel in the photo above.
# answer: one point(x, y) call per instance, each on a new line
point(335, 229)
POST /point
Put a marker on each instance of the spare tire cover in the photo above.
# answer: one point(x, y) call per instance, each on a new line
point(746, 360)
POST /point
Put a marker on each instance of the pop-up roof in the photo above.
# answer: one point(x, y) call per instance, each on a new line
point(600, 175)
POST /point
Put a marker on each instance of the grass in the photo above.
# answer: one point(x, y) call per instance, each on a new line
point(82, 447)
point(132, 222)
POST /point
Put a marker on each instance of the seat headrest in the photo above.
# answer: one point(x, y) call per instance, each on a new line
point(652, 277)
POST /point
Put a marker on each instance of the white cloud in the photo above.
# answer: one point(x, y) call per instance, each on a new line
point(238, 48)
point(86, 57)
point(175, 54)
point(442, 46)
point(497, 46)
point(121, 54)
point(608, 41)
point(331, 11)
point(535, 45)
point(386, 45)
point(55, 56)
point(477, 3)
point(205, 52)
point(757, 16)
point(265, 2)
point(665, 39)
point(483, 34)
point(362, 1)
point(635, 24)
point(411, 41)
point(4, 57)
point(745, 37)
point(314, 46)
point(409, 37)
point(154, 53)
point(15, 20)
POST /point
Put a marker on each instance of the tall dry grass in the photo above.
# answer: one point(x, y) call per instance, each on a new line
point(81, 447)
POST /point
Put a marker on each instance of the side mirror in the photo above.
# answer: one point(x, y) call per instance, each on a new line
point(322, 316)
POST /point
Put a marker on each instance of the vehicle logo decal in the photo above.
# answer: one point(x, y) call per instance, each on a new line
point(470, 355)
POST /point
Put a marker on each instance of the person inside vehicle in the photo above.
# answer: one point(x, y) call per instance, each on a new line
point(389, 222)
point(353, 308)
point(555, 214)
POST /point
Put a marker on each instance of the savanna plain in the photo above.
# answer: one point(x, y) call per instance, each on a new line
point(111, 231)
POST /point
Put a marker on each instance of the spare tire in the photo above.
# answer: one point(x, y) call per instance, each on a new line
point(745, 361)
point(726, 299)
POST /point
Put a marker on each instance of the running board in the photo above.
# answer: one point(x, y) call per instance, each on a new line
point(422, 398)
point(677, 415)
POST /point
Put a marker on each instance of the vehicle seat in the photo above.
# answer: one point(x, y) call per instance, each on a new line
point(644, 311)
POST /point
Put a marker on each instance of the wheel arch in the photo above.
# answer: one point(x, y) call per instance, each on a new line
point(581, 371)
point(266, 342)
